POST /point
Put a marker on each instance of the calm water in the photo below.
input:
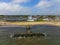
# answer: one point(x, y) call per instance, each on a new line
point(53, 33)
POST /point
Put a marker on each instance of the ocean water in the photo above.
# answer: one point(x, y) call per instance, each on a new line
point(52, 38)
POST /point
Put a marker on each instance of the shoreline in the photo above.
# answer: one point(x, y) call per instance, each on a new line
point(29, 23)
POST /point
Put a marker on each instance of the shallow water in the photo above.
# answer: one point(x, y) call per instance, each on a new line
point(53, 35)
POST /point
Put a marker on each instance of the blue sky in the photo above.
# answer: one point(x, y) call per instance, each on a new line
point(30, 7)
point(5, 1)
point(31, 3)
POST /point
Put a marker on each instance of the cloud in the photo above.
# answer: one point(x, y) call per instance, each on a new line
point(6, 8)
point(43, 4)
point(13, 9)
point(43, 7)
point(56, 0)
point(20, 1)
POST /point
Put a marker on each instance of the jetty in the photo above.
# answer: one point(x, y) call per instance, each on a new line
point(26, 34)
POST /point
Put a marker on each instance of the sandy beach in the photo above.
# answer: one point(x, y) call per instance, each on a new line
point(37, 23)
point(29, 23)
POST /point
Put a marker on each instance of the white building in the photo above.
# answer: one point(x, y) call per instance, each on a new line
point(30, 18)
point(46, 19)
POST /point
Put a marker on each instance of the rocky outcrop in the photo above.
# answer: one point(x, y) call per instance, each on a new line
point(25, 35)
point(28, 33)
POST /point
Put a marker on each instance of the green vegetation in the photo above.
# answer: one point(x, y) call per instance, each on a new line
point(39, 18)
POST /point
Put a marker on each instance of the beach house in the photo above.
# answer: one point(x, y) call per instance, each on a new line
point(31, 18)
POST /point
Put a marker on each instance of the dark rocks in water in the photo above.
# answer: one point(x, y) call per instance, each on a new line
point(27, 34)
point(24, 35)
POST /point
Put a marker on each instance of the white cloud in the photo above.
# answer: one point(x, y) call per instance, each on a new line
point(56, 0)
point(43, 4)
point(8, 8)
point(43, 7)
point(20, 1)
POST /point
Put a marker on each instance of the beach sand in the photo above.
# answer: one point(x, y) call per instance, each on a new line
point(29, 23)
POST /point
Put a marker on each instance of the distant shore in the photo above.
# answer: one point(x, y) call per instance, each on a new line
point(29, 23)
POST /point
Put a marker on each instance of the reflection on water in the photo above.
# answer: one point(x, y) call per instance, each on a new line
point(53, 33)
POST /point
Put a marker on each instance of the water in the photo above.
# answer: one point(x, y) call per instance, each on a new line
point(53, 34)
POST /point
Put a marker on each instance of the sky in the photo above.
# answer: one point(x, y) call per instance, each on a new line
point(29, 7)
